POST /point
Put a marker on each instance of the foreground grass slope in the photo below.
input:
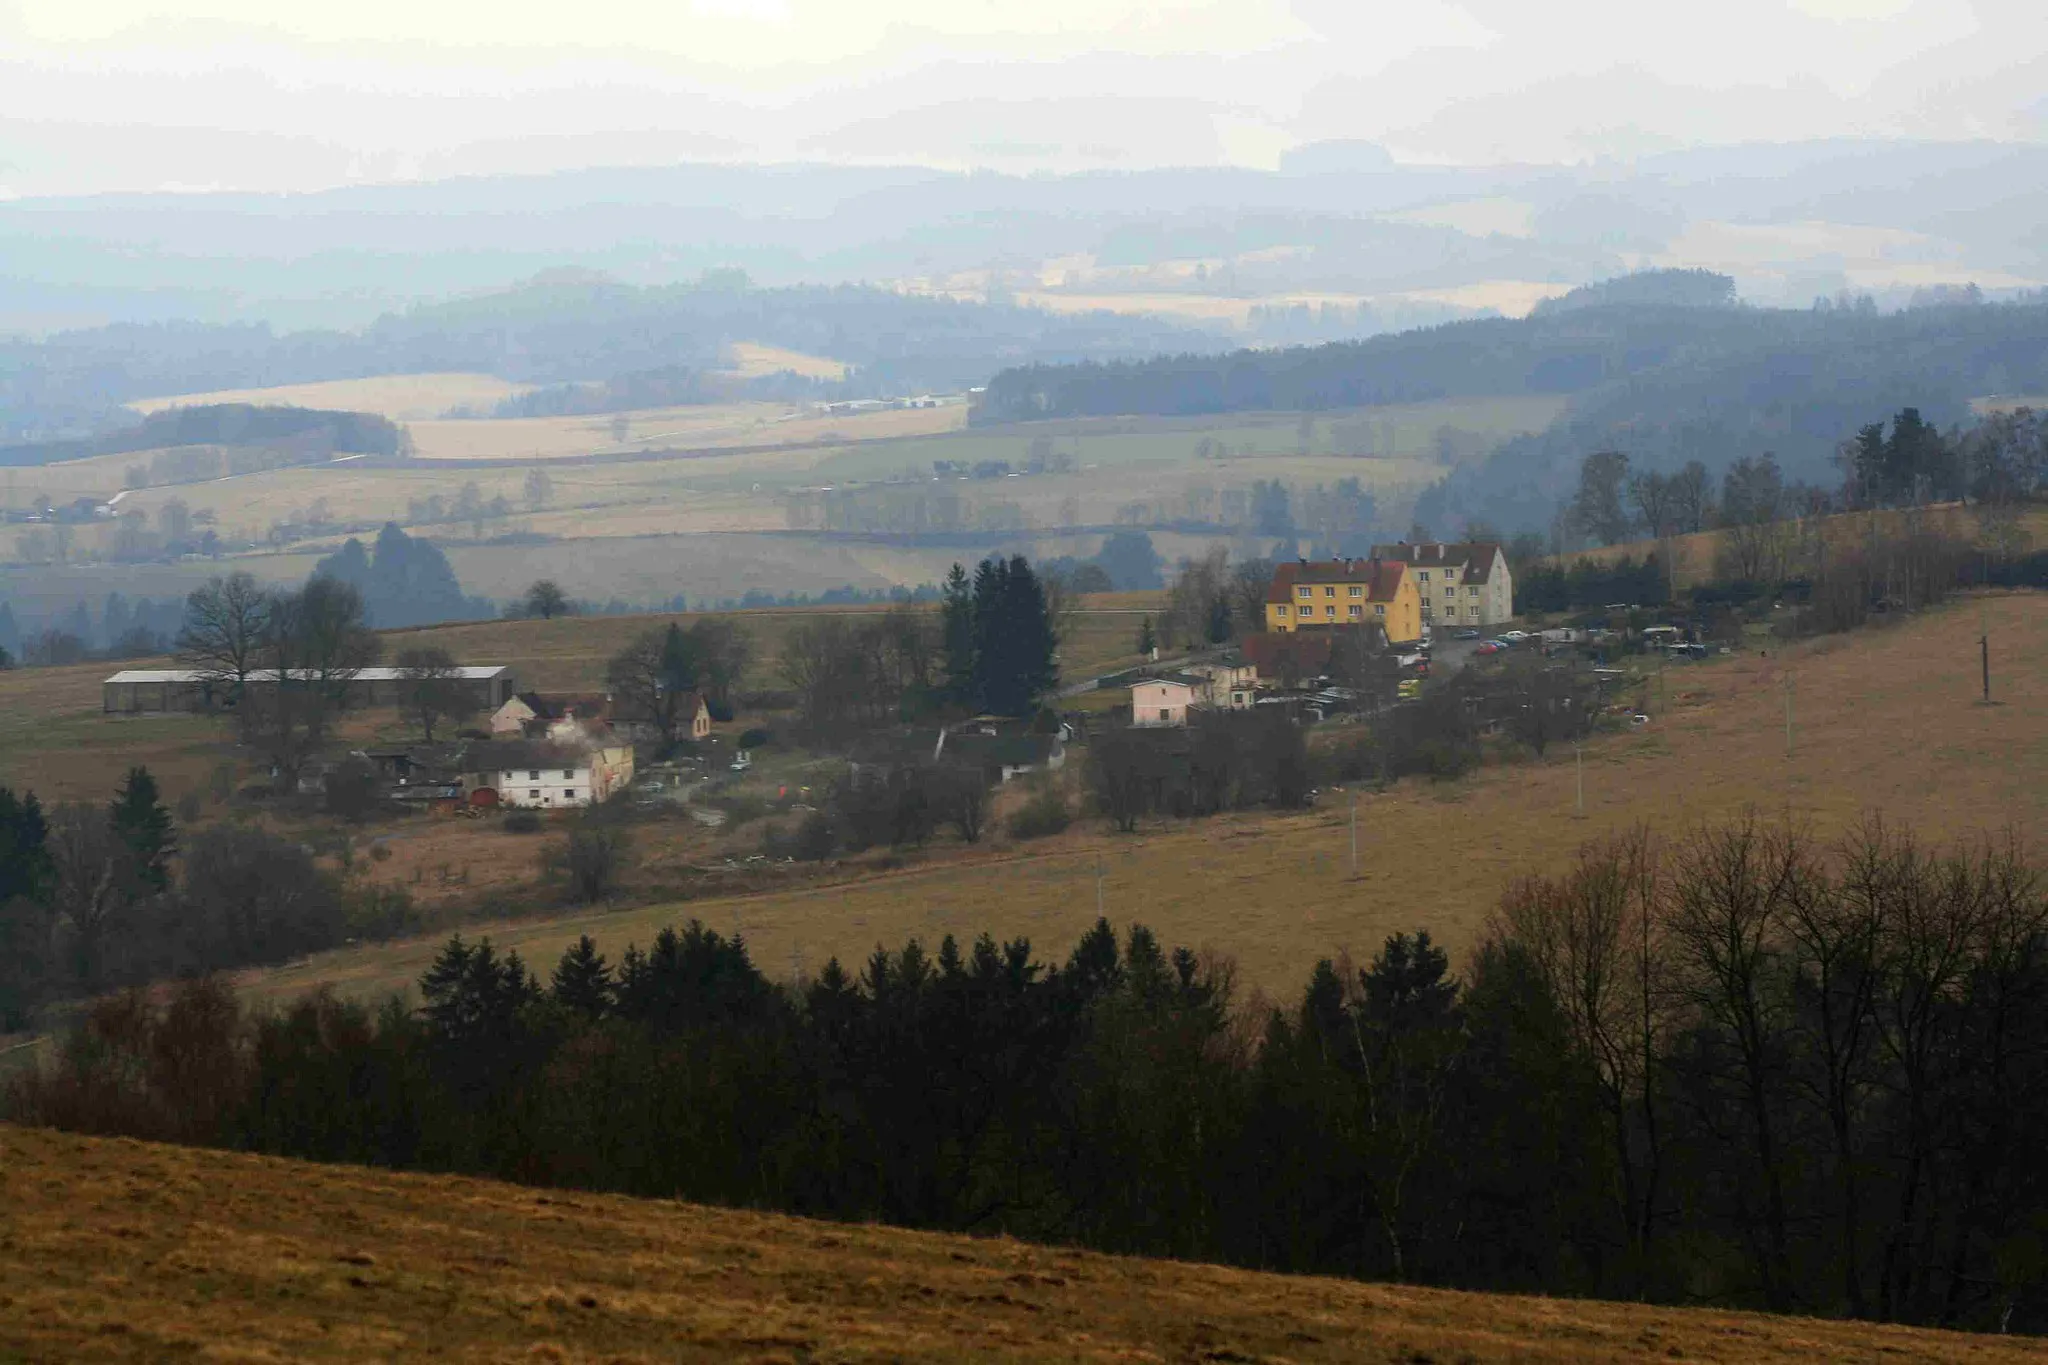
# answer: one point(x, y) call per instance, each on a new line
point(118, 1250)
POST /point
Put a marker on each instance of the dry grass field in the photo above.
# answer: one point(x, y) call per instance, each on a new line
point(401, 397)
point(701, 427)
point(1884, 720)
point(569, 653)
point(115, 1250)
point(752, 360)
point(1693, 556)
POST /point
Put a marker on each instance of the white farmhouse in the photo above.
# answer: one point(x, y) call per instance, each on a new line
point(572, 770)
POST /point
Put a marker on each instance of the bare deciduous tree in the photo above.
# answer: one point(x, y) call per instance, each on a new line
point(226, 624)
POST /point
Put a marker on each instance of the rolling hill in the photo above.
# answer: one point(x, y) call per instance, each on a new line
point(119, 1250)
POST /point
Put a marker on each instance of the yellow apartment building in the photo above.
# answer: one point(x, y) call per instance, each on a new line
point(1345, 592)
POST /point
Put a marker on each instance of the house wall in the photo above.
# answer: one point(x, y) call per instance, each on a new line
point(1451, 599)
point(1344, 602)
point(1155, 703)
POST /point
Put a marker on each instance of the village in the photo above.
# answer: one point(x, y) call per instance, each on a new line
point(1346, 643)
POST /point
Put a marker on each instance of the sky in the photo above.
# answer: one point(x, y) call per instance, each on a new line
point(102, 96)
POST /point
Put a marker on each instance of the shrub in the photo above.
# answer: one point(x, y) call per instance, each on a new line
point(1044, 814)
point(754, 739)
point(814, 840)
point(594, 859)
point(522, 822)
point(381, 912)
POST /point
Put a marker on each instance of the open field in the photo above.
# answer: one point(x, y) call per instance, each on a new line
point(1884, 720)
point(401, 397)
point(117, 1250)
point(752, 360)
point(740, 474)
point(569, 653)
point(1693, 556)
point(698, 427)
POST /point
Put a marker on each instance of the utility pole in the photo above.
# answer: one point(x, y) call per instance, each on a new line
point(1354, 836)
point(1984, 644)
point(1579, 764)
point(1788, 715)
point(1098, 888)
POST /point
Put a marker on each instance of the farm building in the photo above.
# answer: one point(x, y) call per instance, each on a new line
point(138, 690)
point(572, 769)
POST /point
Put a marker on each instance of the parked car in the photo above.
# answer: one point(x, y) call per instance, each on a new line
point(1468, 633)
point(1514, 637)
point(1491, 647)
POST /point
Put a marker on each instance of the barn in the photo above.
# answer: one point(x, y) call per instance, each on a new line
point(138, 691)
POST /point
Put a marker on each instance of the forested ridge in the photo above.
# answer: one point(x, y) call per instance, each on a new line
point(1665, 384)
point(1744, 1067)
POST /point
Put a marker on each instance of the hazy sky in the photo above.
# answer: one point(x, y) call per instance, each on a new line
point(102, 95)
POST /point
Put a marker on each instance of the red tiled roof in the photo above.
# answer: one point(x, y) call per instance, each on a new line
point(1381, 577)
point(1275, 655)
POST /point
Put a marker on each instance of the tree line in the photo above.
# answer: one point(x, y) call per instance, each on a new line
point(1743, 1067)
point(95, 897)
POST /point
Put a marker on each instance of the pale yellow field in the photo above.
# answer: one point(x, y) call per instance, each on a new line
point(752, 360)
point(703, 427)
point(1511, 298)
point(118, 1250)
point(401, 397)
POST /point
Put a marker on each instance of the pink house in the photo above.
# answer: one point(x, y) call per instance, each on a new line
point(1164, 701)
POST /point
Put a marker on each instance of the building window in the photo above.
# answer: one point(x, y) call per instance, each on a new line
point(533, 775)
point(569, 795)
point(568, 772)
point(534, 794)
point(1357, 591)
point(1379, 611)
point(1471, 592)
point(1329, 611)
point(1473, 610)
point(1164, 714)
point(1304, 592)
point(1357, 611)
point(1423, 575)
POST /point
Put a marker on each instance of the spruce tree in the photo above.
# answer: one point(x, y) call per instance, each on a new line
point(958, 638)
point(24, 847)
point(583, 980)
point(141, 822)
point(1148, 640)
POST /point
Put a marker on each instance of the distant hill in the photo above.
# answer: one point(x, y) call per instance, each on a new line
point(313, 432)
point(570, 327)
point(1664, 382)
point(1648, 288)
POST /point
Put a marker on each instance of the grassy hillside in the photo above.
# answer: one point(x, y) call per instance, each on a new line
point(1694, 555)
point(1884, 720)
point(117, 1250)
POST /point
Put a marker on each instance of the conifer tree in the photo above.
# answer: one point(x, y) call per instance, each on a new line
point(583, 980)
point(958, 638)
point(141, 822)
